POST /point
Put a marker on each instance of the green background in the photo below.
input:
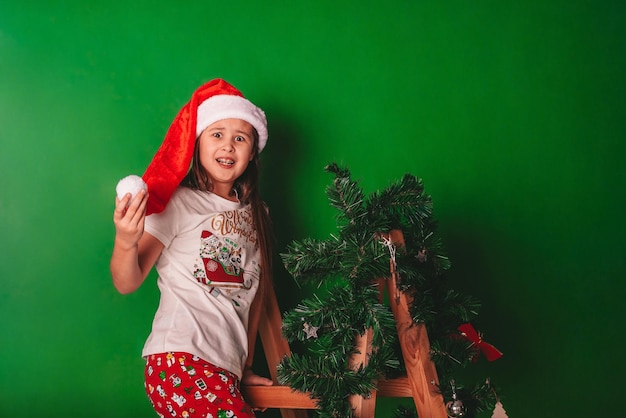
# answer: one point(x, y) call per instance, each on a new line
point(512, 113)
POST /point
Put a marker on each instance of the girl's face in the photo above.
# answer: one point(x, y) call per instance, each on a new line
point(226, 149)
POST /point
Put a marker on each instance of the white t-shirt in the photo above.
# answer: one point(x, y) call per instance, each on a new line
point(208, 276)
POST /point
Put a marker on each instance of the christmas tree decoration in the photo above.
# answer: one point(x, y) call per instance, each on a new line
point(499, 411)
point(347, 268)
point(476, 340)
point(455, 407)
point(310, 330)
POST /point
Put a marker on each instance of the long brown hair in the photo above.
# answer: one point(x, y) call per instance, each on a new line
point(247, 187)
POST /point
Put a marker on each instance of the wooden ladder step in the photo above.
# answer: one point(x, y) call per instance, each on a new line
point(277, 397)
point(286, 397)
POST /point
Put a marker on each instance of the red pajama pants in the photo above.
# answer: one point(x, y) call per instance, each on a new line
point(182, 385)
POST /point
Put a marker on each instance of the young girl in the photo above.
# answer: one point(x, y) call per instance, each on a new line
point(207, 230)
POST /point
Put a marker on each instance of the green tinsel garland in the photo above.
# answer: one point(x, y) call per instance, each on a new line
point(348, 263)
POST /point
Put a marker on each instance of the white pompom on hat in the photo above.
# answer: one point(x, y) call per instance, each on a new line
point(132, 184)
point(213, 101)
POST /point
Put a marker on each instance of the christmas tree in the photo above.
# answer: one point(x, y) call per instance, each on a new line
point(347, 264)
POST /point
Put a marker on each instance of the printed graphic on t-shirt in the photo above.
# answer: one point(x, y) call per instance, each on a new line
point(220, 262)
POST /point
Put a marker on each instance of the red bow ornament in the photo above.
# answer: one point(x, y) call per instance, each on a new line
point(490, 352)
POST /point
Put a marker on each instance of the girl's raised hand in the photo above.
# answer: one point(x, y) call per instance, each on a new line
point(129, 217)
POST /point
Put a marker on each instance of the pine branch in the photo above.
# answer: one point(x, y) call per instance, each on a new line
point(460, 306)
point(328, 379)
point(402, 203)
point(365, 258)
point(346, 196)
point(339, 317)
point(375, 315)
point(449, 354)
point(311, 259)
point(332, 316)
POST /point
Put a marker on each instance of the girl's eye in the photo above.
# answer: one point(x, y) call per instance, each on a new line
point(240, 138)
point(217, 134)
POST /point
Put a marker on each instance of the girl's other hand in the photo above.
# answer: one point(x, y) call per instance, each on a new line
point(250, 378)
point(129, 218)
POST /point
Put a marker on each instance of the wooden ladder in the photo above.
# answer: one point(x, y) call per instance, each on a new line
point(420, 383)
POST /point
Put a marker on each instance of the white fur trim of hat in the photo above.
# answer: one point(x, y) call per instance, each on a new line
point(226, 106)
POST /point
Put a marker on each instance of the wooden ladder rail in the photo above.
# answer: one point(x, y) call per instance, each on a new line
point(420, 383)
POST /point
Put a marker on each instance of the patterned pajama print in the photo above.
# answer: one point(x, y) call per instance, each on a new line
point(182, 385)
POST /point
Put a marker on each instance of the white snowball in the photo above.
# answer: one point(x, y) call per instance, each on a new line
point(130, 184)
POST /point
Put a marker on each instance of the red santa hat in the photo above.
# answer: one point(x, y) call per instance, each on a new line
point(213, 101)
